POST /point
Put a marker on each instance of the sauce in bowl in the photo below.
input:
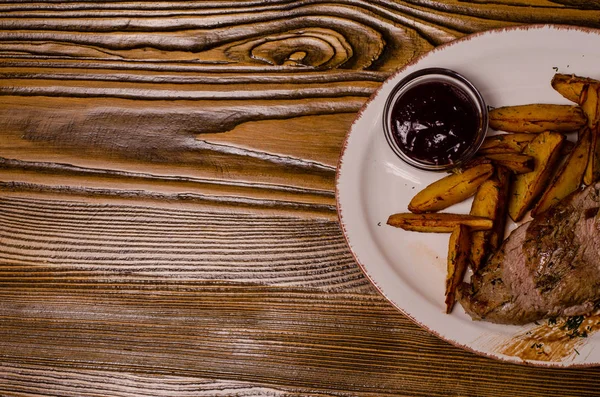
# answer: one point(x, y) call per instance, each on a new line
point(435, 119)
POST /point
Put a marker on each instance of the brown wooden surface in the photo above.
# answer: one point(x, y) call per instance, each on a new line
point(167, 209)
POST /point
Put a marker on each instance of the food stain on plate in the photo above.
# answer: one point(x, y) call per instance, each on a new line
point(554, 340)
point(424, 250)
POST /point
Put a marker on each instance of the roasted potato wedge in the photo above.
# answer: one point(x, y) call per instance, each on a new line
point(595, 154)
point(450, 190)
point(592, 170)
point(473, 162)
point(526, 188)
point(489, 202)
point(484, 204)
point(438, 222)
point(590, 104)
point(570, 86)
point(505, 143)
point(537, 118)
point(458, 259)
point(569, 176)
point(516, 162)
point(504, 177)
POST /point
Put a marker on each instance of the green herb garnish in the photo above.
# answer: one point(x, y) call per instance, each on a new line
point(573, 322)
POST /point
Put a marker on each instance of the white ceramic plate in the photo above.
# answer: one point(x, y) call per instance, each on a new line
point(510, 67)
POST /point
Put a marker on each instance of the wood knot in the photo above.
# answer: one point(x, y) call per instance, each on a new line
point(314, 48)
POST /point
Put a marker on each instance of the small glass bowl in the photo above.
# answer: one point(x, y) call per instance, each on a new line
point(444, 76)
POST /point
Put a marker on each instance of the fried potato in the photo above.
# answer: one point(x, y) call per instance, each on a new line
point(514, 145)
point(450, 190)
point(472, 162)
point(484, 204)
point(505, 143)
point(592, 170)
point(571, 86)
point(590, 104)
point(458, 259)
point(526, 188)
point(537, 118)
point(569, 176)
point(489, 202)
point(438, 222)
point(516, 162)
point(504, 177)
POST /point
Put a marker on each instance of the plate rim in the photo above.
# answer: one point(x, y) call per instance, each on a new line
point(359, 114)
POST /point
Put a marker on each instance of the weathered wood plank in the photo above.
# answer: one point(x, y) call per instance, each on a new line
point(329, 343)
point(69, 242)
point(38, 380)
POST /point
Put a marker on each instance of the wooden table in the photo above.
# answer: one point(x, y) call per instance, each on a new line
point(167, 211)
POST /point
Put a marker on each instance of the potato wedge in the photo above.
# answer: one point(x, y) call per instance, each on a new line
point(590, 104)
point(505, 143)
point(484, 204)
point(450, 190)
point(504, 177)
point(588, 174)
point(516, 162)
point(458, 259)
point(592, 170)
point(489, 202)
point(570, 86)
point(438, 223)
point(526, 188)
point(476, 161)
point(569, 176)
point(595, 154)
point(537, 118)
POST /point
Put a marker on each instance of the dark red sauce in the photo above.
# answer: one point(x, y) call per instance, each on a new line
point(434, 123)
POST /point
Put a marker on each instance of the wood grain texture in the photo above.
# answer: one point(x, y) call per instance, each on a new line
point(67, 242)
point(167, 208)
point(39, 380)
point(227, 93)
point(308, 341)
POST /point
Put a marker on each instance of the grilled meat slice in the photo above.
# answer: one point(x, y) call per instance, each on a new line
point(548, 267)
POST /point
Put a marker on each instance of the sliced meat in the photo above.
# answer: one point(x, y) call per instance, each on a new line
point(548, 267)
